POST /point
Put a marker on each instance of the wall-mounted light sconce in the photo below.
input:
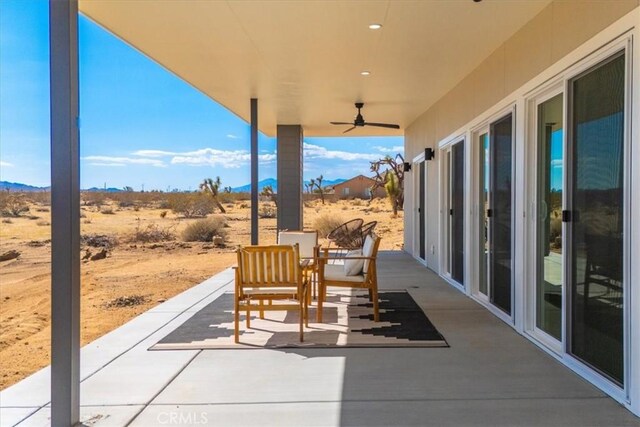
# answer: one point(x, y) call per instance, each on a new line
point(406, 167)
point(429, 153)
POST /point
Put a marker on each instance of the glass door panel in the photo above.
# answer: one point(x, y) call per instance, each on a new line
point(597, 214)
point(549, 220)
point(501, 134)
point(483, 208)
point(421, 210)
point(457, 212)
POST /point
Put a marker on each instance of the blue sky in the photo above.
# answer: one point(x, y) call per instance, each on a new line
point(140, 125)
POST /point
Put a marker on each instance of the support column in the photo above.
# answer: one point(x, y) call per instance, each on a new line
point(254, 171)
point(65, 214)
point(290, 139)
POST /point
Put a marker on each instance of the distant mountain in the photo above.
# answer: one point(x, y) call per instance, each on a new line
point(104, 190)
point(261, 184)
point(274, 184)
point(16, 186)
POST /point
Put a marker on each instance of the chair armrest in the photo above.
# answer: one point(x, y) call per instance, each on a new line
point(347, 257)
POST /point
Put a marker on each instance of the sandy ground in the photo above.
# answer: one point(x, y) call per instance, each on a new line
point(150, 272)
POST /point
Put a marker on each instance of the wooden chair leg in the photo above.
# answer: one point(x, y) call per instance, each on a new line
point(302, 315)
point(261, 309)
point(248, 318)
point(236, 319)
point(321, 292)
point(376, 314)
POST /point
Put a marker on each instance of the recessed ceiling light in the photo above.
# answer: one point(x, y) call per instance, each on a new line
point(365, 73)
point(375, 26)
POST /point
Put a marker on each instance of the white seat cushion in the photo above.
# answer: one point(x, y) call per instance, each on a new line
point(270, 290)
point(306, 241)
point(367, 251)
point(353, 267)
point(336, 272)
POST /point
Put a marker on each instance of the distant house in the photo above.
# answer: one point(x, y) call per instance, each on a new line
point(358, 187)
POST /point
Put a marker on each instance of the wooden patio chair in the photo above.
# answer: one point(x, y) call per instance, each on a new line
point(346, 235)
point(272, 274)
point(335, 275)
point(309, 251)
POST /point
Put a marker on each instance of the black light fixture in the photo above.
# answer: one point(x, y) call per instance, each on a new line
point(429, 153)
point(406, 167)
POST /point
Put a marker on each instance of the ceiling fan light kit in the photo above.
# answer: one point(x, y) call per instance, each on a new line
point(359, 121)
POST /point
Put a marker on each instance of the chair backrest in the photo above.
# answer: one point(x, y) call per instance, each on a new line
point(268, 266)
point(307, 240)
point(346, 235)
point(370, 250)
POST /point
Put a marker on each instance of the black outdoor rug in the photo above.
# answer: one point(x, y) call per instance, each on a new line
point(347, 322)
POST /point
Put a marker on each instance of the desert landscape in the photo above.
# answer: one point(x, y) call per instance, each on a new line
point(138, 249)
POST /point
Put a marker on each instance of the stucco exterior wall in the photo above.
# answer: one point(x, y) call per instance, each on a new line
point(358, 188)
point(560, 28)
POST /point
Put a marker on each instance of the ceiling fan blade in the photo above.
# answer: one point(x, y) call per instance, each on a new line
point(342, 123)
point(349, 130)
point(383, 125)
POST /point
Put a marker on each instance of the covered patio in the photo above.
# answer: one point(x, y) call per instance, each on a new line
point(448, 73)
point(490, 375)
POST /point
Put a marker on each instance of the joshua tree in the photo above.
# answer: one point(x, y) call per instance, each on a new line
point(393, 190)
point(212, 188)
point(394, 165)
point(227, 190)
point(267, 191)
point(318, 184)
point(127, 189)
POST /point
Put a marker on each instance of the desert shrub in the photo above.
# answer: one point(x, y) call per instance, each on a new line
point(13, 204)
point(99, 241)
point(40, 197)
point(203, 230)
point(126, 301)
point(356, 202)
point(42, 223)
point(42, 210)
point(7, 221)
point(164, 204)
point(87, 221)
point(267, 212)
point(107, 211)
point(191, 205)
point(153, 233)
point(326, 223)
point(94, 198)
point(163, 214)
point(232, 197)
point(244, 206)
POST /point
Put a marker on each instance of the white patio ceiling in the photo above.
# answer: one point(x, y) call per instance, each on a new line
point(302, 59)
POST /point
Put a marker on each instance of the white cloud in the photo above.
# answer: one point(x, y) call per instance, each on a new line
point(5, 164)
point(317, 152)
point(122, 161)
point(119, 165)
point(232, 136)
point(228, 159)
point(395, 149)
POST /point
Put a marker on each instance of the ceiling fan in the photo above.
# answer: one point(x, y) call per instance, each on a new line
point(359, 121)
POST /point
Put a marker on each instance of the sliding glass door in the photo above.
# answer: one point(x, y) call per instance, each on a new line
point(457, 212)
point(500, 212)
point(549, 233)
point(495, 217)
point(595, 217)
point(455, 194)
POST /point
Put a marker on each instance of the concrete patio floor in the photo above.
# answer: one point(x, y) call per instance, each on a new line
point(490, 376)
